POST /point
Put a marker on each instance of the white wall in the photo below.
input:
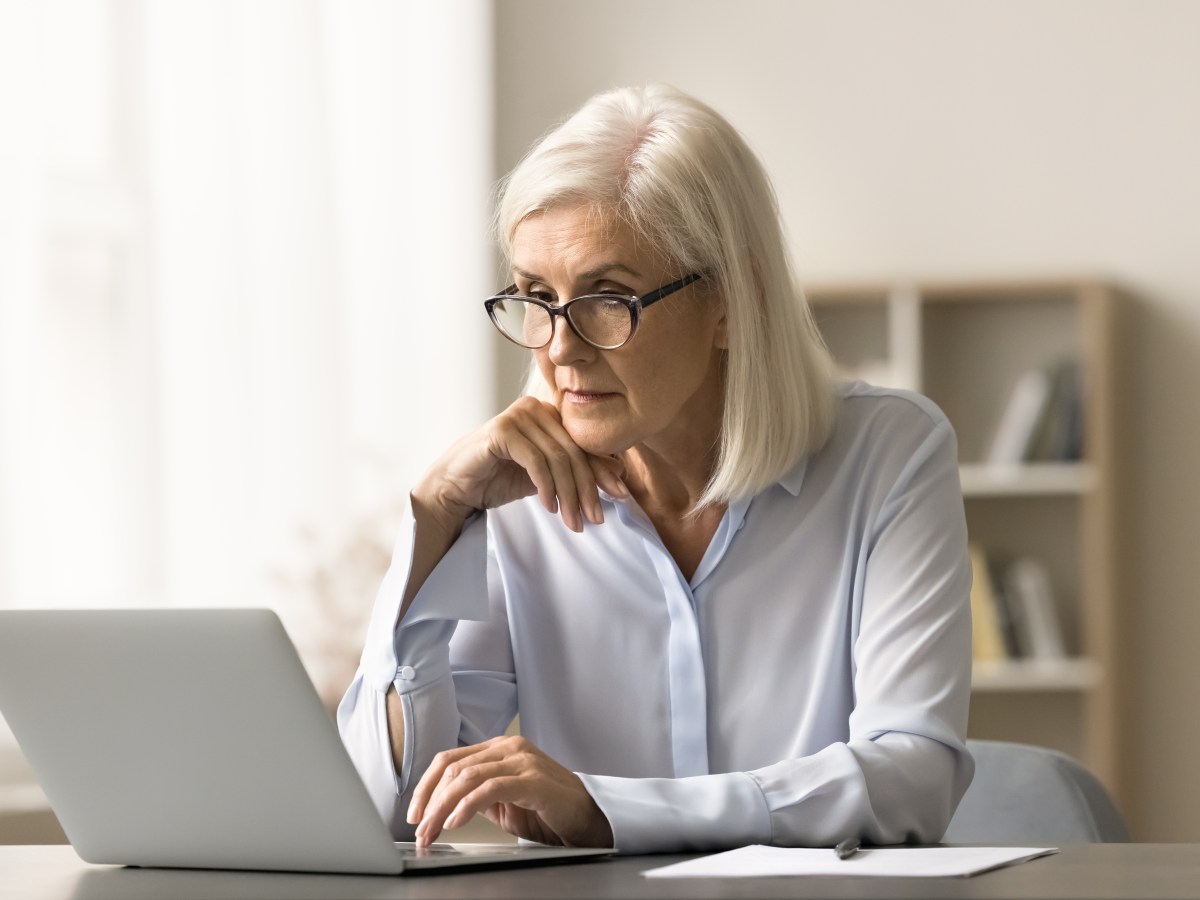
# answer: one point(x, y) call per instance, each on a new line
point(940, 138)
point(231, 240)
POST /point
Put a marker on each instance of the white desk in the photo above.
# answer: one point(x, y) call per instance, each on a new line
point(1091, 871)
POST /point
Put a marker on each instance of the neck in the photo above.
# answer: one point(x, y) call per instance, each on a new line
point(661, 484)
point(667, 487)
point(669, 472)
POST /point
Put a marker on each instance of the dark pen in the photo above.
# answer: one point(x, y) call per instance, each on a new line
point(847, 848)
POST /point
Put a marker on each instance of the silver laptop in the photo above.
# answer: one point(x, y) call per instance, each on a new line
point(194, 738)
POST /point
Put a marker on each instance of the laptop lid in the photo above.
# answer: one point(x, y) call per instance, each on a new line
point(188, 738)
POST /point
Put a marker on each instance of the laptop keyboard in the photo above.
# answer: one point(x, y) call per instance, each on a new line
point(412, 850)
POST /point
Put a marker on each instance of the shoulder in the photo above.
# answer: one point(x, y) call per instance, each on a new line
point(881, 422)
point(880, 437)
point(868, 407)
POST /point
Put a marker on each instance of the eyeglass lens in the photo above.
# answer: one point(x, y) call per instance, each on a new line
point(598, 320)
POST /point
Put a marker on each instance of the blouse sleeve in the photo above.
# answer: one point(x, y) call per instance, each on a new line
point(444, 702)
point(901, 772)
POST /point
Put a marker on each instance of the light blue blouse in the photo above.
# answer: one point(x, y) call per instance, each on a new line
point(809, 683)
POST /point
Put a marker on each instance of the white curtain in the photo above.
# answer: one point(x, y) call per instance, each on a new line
point(243, 247)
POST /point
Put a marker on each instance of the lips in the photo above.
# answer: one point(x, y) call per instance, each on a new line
point(580, 396)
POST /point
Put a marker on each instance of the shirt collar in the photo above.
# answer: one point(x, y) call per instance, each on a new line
point(794, 478)
point(791, 481)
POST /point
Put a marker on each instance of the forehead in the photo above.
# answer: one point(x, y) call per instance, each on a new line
point(572, 239)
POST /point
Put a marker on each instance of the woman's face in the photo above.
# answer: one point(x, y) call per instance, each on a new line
point(664, 387)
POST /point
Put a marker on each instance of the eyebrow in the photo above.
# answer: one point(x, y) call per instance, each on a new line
point(590, 275)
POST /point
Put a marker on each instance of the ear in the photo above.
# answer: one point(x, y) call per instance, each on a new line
point(721, 331)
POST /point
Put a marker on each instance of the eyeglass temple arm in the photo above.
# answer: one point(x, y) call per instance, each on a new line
point(656, 295)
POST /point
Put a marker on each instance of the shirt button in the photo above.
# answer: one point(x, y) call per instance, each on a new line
point(406, 673)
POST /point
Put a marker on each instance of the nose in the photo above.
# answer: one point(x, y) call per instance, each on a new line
point(566, 348)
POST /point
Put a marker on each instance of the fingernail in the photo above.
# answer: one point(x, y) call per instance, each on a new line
point(410, 816)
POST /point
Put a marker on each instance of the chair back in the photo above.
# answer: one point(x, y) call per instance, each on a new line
point(1023, 794)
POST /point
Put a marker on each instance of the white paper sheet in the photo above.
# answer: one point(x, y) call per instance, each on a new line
point(922, 862)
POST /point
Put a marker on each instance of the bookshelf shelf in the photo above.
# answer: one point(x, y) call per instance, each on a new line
point(1042, 526)
point(1035, 675)
point(1027, 479)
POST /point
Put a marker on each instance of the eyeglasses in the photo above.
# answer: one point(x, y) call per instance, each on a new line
point(606, 321)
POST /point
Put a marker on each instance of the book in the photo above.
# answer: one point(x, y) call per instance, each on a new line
point(987, 637)
point(1058, 435)
point(1019, 422)
point(997, 565)
point(1030, 599)
point(1043, 418)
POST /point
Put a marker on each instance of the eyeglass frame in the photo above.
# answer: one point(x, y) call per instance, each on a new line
point(634, 303)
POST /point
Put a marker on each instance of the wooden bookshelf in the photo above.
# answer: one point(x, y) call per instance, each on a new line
point(965, 345)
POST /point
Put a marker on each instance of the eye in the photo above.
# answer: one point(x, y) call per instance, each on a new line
point(538, 292)
point(616, 290)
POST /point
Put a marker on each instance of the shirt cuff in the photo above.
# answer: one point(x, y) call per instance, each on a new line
point(699, 813)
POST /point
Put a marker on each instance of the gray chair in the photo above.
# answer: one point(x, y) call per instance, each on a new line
point(1030, 795)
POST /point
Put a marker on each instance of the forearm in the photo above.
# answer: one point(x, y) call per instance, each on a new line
point(434, 533)
point(895, 789)
point(395, 722)
point(402, 706)
point(676, 815)
point(390, 759)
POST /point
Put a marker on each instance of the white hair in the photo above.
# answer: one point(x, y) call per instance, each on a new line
point(684, 180)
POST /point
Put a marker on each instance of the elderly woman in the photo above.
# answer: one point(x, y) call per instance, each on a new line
point(726, 595)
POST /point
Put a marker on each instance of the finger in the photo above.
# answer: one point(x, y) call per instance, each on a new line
point(591, 472)
point(566, 487)
point(608, 471)
point(563, 476)
point(582, 469)
point(567, 465)
point(526, 454)
point(445, 809)
point(432, 776)
point(522, 437)
point(458, 778)
point(495, 791)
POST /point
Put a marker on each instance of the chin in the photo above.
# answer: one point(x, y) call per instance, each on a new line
point(596, 438)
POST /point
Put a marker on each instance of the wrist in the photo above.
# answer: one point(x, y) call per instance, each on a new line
point(599, 832)
point(432, 514)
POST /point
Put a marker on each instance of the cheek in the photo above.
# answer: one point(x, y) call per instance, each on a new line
point(546, 391)
point(675, 367)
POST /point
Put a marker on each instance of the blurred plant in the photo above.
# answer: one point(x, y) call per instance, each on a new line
point(331, 600)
